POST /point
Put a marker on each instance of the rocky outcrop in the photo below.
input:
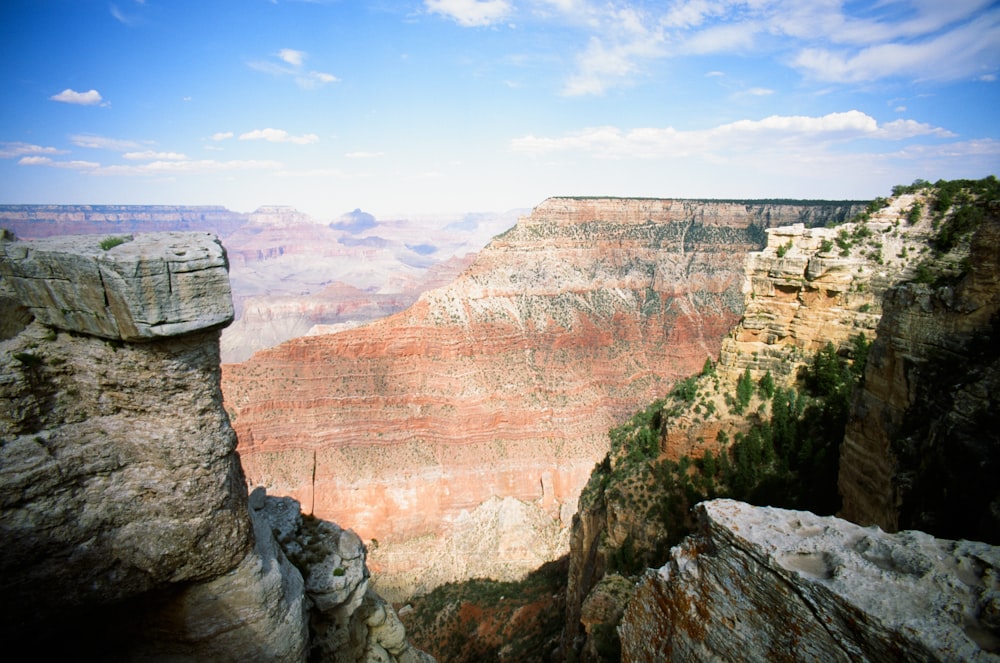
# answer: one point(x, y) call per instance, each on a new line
point(765, 584)
point(124, 288)
point(123, 507)
point(924, 449)
point(808, 287)
point(500, 386)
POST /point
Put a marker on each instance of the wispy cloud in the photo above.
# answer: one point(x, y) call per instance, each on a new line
point(95, 142)
point(291, 63)
point(830, 42)
point(88, 98)
point(153, 168)
point(12, 150)
point(222, 135)
point(150, 155)
point(777, 132)
point(471, 13)
point(279, 136)
point(364, 155)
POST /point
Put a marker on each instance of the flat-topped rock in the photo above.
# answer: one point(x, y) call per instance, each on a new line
point(148, 286)
point(773, 584)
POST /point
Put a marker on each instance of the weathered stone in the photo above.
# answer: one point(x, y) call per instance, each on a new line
point(150, 286)
point(923, 451)
point(765, 584)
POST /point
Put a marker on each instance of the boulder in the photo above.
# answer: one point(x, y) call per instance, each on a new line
point(766, 584)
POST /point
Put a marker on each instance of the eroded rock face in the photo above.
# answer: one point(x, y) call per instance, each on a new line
point(924, 449)
point(765, 584)
point(501, 385)
point(123, 507)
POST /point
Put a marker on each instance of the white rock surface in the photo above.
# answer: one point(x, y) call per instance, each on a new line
point(765, 584)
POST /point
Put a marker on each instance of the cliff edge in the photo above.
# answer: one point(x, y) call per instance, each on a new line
point(775, 585)
point(123, 507)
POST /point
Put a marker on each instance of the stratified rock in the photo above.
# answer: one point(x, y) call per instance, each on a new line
point(502, 384)
point(144, 287)
point(765, 584)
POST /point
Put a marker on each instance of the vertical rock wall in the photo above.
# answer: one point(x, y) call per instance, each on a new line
point(924, 449)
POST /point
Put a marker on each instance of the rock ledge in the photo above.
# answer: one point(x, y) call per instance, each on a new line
point(148, 286)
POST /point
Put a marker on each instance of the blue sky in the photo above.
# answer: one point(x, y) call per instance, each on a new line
point(488, 105)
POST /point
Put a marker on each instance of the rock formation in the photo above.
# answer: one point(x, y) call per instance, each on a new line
point(765, 584)
point(477, 414)
point(290, 273)
point(924, 450)
point(123, 507)
point(808, 287)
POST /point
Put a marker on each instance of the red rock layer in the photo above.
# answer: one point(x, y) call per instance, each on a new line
point(505, 383)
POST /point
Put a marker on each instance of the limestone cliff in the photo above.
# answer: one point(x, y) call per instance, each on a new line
point(765, 584)
point(123, 507)
point(924, 449)
point(460, 432)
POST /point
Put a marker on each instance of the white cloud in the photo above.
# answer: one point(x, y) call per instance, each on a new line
point(69, 165)
point(291, 66)
point(471, 13)
point(150, 155)
point(828, 41)
point(11, 150)
point(222, 135)
point(92, 141)
point(363, 155)
point(770, 134)
point(160, 167)
point(88, 98)
point(279, 136)
point(292, 57)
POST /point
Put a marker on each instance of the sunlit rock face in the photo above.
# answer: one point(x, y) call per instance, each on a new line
point(766, 584)
point(417, 429)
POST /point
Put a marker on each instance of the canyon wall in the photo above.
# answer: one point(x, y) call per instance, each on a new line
point(806, 288)
point(924, 449)
point(765, 584)
point(123, 507)
point(460, 432)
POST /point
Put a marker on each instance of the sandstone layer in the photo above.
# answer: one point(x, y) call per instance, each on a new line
point(123, 507)
point(924, 450)
point(765, 584)
point(500, 386)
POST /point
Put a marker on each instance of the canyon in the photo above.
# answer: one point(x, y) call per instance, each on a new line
point(128, 530)
point(289, 273)
point(458, 434)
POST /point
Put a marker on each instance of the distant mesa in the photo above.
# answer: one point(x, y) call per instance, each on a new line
point(355, 222)
point(371, 241)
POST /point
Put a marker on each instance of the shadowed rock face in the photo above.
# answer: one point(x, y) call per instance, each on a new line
point(773, 584)
point(417, 429)
point(123, 508)
point(924, 449)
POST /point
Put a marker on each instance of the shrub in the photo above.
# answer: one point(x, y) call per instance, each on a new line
point(109, 243)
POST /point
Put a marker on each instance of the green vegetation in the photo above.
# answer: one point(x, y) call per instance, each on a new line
point(109, 243)
point(28, 359)
point(488, 620)
point(784, 248)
